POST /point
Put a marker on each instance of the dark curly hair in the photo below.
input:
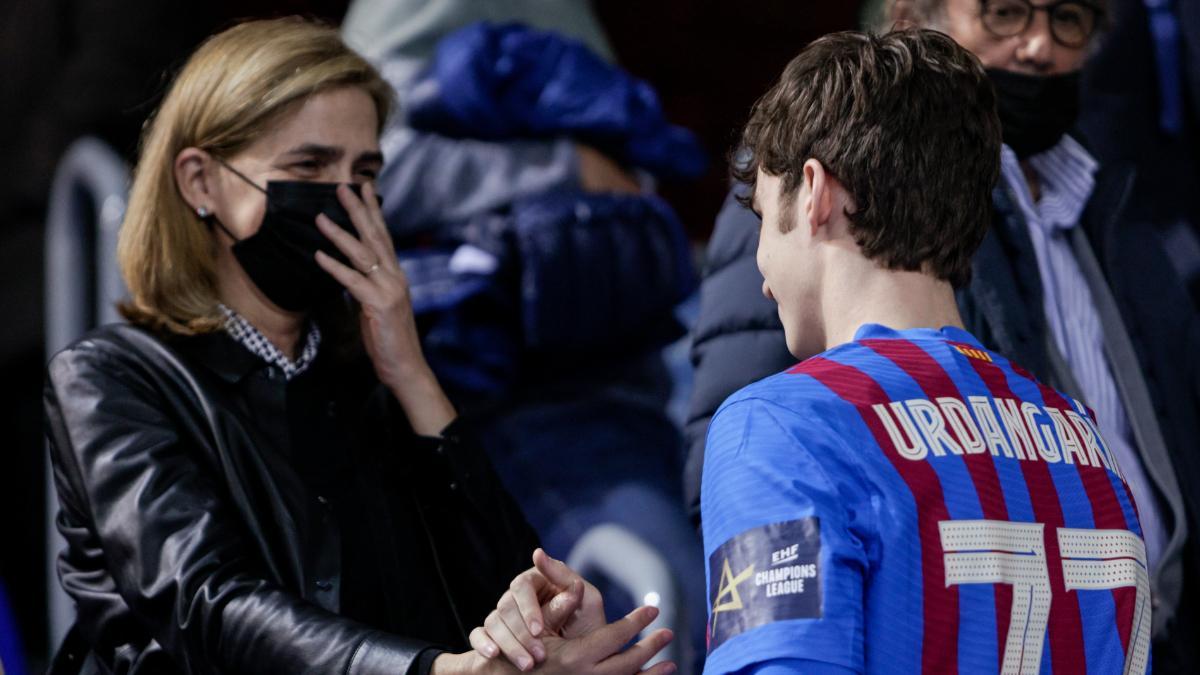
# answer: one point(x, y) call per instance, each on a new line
point(906, 121)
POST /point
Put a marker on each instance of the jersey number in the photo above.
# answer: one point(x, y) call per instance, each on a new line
point(1002, 552)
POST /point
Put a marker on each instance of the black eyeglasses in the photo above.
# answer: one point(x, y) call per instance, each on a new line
point(1072, 22)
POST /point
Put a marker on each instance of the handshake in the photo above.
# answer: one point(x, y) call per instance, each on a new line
point(552, 620)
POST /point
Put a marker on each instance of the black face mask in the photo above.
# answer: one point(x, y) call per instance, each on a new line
point(279, 257)
point(1035, 110)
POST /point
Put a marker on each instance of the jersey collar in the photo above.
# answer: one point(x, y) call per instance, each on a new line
point(875, 331)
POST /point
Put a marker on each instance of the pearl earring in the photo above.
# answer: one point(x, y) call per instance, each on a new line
point(203, 212)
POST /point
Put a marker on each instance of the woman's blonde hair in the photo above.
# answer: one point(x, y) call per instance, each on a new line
point(235, 86)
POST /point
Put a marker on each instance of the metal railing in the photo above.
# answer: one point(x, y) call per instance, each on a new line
point(83, 285)
point(641, 571)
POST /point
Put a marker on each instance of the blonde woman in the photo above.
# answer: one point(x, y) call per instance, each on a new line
point(255, 474)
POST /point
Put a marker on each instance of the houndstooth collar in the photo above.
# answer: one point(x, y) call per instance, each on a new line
point(249, 337)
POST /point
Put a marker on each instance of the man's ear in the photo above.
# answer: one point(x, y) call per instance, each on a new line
point(193, 176)
point(819, 183)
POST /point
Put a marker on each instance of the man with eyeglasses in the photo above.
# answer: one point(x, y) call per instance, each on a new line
point(1065, 284)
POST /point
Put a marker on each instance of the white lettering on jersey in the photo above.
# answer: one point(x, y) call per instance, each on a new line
point(992, 435)
point(1073, 452)
point(1043, 434)
point(960, 420)
point(908, 442)
point(920, 429)
point(929, 418)
point(1014, 426)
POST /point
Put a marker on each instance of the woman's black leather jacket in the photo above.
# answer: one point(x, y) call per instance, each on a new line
point(194, 547)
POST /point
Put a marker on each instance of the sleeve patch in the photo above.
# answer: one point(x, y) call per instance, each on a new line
point(763, 575)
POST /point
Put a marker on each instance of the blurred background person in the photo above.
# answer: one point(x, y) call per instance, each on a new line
point(1140, 97)
point(1070, 283)
point(544, 275)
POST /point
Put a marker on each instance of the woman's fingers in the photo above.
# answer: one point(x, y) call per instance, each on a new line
point(368, 221)
point(590, 613)
point(661, 668)
point(507, 642)
point(631, 660)
point(358, 284)
point(606, 641)
point(562, 606)
point(510, 614)
point(358, 253)
point(481, 643)
point(555, 571)
point(524, 592)
point(371, 202)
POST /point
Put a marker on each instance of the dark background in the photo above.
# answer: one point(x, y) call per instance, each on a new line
point(74, 67)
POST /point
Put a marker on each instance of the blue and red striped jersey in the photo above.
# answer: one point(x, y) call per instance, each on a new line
point(911, 502)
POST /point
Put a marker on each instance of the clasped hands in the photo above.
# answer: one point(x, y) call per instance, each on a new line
point(552, 621)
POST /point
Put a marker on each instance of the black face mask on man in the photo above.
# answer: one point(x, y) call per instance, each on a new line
point(279, 257)
point(1035, 110)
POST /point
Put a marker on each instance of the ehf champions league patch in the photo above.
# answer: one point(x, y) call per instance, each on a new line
point(763, 575)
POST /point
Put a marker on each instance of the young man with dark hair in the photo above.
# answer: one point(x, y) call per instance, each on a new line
point(907, 500)
point(1072, 281)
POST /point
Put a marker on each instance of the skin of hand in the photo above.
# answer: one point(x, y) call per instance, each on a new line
point(549, 599)
point(389, 330)
point(598, 652)
point(599, 173)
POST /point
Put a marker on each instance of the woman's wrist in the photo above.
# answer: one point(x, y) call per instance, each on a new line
point(412, 381)
point(424, 402)
point(447, 664)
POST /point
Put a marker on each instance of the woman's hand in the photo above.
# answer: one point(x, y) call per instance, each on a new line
point(598, 651)
point(548, 600)
point(388, 328)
